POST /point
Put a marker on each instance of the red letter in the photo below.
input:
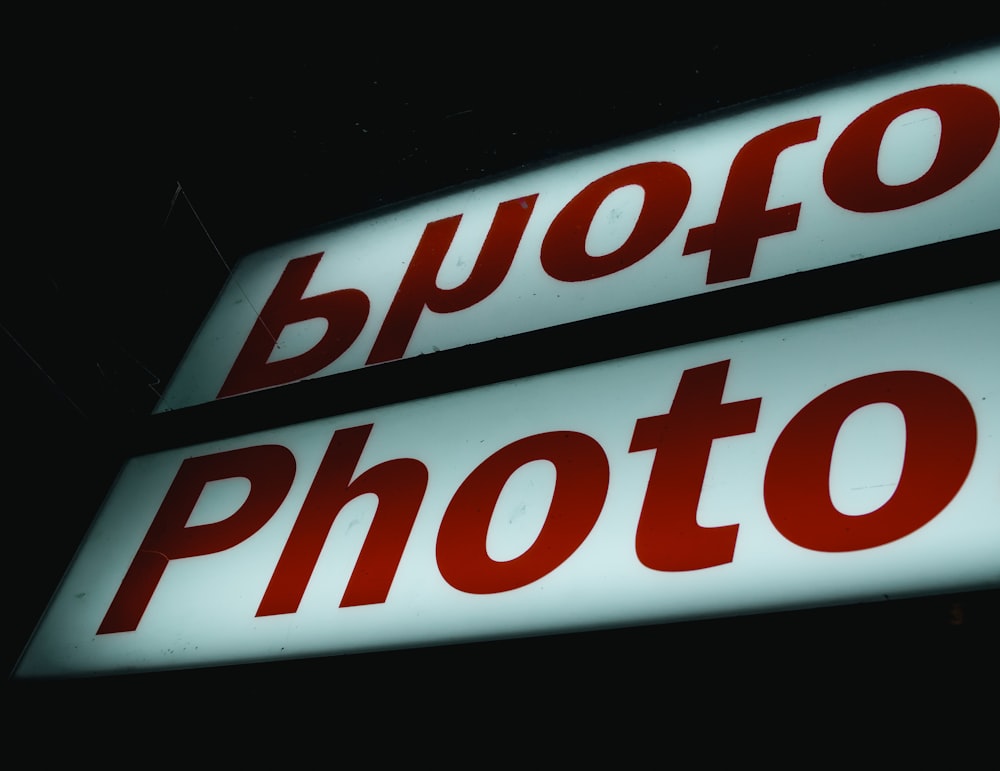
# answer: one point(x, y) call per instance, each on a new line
point(970, 121)
point(668, 536)
point(270, 469)
point(419, 288)
point(744, 218)
point(667, 189)
point(399, 485)
point(344, 311)
point(940, 445)
point(581, 486)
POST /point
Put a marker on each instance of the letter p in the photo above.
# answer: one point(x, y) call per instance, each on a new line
point(270, 469)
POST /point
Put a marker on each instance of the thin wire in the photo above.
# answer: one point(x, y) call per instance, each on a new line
point(181, 192)
point(173, 201)
point(41, 369)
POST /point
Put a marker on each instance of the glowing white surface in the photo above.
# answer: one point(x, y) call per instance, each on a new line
point(372, 255)
point(202, 611)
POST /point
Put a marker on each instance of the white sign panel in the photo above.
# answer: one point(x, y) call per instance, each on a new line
point(842, 459)
point(902, 160)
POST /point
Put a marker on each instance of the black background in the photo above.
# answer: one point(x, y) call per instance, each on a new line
point(144, 161)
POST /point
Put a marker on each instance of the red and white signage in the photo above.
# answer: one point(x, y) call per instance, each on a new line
point(902, 160)
point(848, 458)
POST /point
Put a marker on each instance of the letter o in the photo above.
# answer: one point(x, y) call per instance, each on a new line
point(970, 121)
point(582, 476)
point(667, 189)
point(940, 445)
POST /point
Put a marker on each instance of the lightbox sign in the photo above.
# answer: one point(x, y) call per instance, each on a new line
point(848, 458)
point(898, 161)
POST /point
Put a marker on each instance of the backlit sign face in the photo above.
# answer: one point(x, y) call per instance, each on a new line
point(901, 160)
point(847, 458)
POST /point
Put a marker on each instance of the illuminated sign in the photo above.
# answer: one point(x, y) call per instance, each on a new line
point(902, 160)
point(847, 458)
